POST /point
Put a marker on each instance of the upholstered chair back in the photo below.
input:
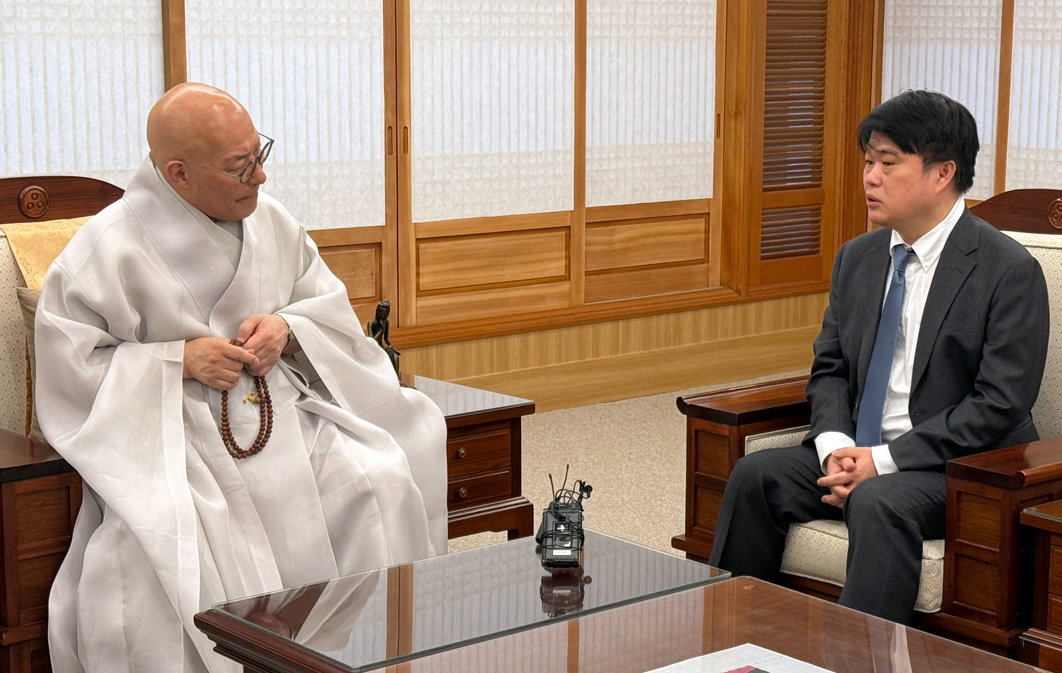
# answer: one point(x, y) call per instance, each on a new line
point(12, 345)
point(1048, 410)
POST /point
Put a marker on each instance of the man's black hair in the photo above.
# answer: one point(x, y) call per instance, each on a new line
point(928, 124)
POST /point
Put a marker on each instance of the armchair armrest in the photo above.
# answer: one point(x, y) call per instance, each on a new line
point(24, 458)
point(717, 424)
point(989, 558)
point(750, 404)
point(1012, 467)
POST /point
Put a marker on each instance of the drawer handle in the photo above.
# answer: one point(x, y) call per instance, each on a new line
point(462, 452)
point(462, 492)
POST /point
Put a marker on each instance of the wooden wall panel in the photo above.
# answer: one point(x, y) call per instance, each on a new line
point(487, 267)
point(615, 245)
point(792, 271)
point(649, 282)
point(358, 266)
point(646, 257)
point(492, 302)
point(356, 256)
point(695, 366)
point(491, 260)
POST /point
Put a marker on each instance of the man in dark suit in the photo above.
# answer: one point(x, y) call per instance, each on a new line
point(932, 347)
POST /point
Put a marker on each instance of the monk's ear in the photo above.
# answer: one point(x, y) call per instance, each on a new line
point(175, 173)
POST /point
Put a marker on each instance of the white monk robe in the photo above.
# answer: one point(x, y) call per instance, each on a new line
point(352, 478)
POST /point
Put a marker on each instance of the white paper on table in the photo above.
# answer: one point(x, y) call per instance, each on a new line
point(737, 658)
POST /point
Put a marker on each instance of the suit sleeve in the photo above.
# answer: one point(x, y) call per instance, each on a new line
point(829, 390)
point(1013, 353)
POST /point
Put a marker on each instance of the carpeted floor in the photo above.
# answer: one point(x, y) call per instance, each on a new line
point(633, 453)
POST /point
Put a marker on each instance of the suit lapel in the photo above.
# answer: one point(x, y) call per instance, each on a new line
point(956, 263)
point(872, 272)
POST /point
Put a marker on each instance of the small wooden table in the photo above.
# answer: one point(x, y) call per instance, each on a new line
point(1042, 644)
point(39, 498)
point(482, 458)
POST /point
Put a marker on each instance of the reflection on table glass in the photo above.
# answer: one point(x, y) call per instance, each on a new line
point(374, 618)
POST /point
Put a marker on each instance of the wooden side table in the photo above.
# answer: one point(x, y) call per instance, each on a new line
point(482, 458)
point(1042, 644)
point(39, 498)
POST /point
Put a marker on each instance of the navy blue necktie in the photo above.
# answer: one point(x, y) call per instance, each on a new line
point(868, 425)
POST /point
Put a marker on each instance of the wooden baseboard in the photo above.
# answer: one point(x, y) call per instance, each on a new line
point(586, 364)
point(658, 371)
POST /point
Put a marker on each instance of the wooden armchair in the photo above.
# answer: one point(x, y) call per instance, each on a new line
point(39, 492)
point(977, 583)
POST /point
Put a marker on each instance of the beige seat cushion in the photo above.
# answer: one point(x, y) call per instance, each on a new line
point(818, 550)
point(776, 439)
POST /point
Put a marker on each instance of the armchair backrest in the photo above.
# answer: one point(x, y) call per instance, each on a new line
point(32, 199)
point(1034, 218)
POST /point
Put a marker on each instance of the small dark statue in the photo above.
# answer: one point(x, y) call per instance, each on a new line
point(379, 330)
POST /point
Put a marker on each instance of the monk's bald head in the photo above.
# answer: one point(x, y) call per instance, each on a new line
point(191, 121)
point(206, 147)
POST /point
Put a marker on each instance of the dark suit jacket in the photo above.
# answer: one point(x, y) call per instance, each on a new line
point(980, 352)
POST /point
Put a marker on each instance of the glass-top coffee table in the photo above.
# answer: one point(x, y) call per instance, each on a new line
point(383, 617)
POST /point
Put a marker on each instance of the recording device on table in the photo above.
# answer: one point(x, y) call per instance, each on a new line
point(560, 535)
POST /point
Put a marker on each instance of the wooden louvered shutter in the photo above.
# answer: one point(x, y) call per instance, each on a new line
point(795, 222)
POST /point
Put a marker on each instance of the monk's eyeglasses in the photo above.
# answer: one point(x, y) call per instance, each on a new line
point(244, 173)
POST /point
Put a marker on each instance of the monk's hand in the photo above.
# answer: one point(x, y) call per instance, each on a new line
point(845, 469)
point(215, 362)
point(266, 335)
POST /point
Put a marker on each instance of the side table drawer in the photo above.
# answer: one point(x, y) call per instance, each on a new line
point(481, 448)
point(38, 517)
point(480, 488)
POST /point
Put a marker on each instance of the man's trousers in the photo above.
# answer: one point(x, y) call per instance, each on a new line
point(887, 517)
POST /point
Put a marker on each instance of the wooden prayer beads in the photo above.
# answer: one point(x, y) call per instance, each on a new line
point(265, 419)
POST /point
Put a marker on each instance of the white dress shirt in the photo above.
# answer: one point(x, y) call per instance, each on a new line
point(896, 418)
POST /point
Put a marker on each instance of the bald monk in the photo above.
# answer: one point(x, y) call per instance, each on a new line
point(201, 368)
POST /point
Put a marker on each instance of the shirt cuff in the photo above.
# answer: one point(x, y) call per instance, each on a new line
point(828, 442)
point(883, 461)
